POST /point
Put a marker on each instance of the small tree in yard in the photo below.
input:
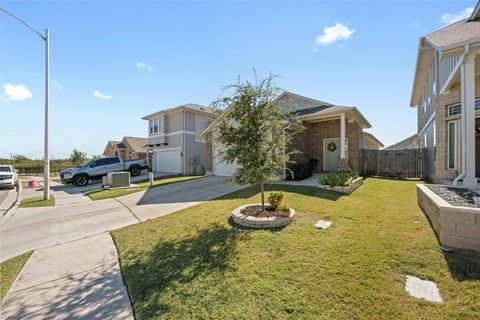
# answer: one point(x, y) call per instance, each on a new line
point(77, 157)
point(254, 133)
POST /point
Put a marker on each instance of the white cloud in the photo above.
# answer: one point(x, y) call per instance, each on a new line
point(449, 18)
point(100, 95)
point(143, 65)
point(16, 92)
point(334, 33)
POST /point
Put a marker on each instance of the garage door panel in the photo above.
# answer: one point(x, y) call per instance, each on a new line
point(221, 168)
point(168, 161)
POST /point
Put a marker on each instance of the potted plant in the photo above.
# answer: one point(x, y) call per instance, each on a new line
point(275, 199)
point(284, 211)
point(476, 199)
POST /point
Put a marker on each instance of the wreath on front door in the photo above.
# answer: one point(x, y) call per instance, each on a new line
point(332, 147)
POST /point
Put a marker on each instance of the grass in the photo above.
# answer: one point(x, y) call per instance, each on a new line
point(37, 202)
point(9, 270)
point(196, 264)
point(100, 194)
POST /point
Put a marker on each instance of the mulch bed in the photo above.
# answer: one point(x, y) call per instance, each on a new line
point(455, 196)
point(256, 211)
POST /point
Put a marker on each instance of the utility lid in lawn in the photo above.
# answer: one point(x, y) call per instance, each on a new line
point(422, 289)
point(323, 224)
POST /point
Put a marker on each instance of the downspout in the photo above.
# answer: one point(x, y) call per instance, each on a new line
point(284, 153)
point(183, 146)
point(463, 120)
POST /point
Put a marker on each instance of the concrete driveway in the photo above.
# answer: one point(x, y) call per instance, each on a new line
point(35, 228)
point(74, 273)
point(160, 201)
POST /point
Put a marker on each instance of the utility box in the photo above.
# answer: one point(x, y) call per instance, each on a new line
point(119, 179)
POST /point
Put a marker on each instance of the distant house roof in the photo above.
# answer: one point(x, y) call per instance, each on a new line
point(368, 135)
point(136, 144)
point(411, 142)
point(188, 106)
point(133, 144)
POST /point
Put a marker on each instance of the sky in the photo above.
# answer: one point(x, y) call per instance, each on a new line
point(113, 62)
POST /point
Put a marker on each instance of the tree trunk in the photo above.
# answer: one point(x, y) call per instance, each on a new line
point(262, 191)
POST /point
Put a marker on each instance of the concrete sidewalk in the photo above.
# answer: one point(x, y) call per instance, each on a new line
point(76, 280)
point(8, 199)
point(35, 228)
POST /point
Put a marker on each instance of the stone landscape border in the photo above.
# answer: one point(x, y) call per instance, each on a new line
point(344, 190)
point(261, 223)
point(455, 226)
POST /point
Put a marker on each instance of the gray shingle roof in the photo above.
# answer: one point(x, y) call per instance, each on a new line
point(304, 112)
point(456, 33)
point(136, 143)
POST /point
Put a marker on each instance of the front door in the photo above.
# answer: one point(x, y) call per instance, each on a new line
point(331, 154)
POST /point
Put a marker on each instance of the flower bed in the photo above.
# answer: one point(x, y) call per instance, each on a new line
point(341, 181)
point(456, 226)
point(241, 216)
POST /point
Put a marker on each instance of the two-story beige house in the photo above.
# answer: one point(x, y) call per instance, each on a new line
point(174, 138)
point(446, 91)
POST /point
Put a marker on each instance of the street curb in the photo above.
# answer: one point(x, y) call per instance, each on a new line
point(14, 206)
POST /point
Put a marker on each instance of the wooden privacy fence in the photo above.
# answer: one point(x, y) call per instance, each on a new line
point(396, 164)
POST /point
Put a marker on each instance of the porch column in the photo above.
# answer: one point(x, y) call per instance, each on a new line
point(468, 120)
point(342, 136)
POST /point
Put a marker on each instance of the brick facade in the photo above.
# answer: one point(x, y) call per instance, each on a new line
point(310, 142)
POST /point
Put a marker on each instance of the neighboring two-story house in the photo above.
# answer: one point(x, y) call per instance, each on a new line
point(333, 135)
point(175, 141)
point(446, 92)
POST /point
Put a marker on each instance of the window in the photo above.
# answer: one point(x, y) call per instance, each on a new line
point(457, 108)
point(155, 125)
point(452, 145)
point(111, 160)
point(200, 125)
point(453, 110)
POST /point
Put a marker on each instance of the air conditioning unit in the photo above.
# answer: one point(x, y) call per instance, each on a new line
point(119, 179)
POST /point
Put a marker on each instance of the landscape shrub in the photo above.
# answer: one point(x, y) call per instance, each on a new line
point(299, 171)
point(339, 178)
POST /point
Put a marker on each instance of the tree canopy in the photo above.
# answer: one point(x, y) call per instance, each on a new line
point(253, 132)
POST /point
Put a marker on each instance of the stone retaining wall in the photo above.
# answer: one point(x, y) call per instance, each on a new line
point(457, 227)
point(345, 190)
point(259, 223)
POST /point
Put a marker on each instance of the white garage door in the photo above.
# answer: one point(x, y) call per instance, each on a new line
point(221, 168)
point(168, 161)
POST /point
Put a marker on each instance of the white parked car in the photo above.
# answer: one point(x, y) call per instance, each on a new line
point(8, 176)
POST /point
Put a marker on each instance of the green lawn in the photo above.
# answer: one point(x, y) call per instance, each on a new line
point(9, 270)
point(37, 202)
point(195, 264)
point(100, 194)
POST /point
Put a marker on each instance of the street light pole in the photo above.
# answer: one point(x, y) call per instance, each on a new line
point(46, 164)
point(46, 155)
